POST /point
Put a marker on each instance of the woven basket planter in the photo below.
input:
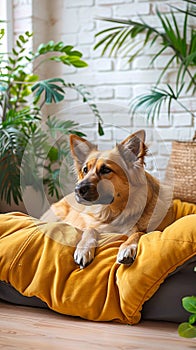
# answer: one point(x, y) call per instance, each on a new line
point(181, 170)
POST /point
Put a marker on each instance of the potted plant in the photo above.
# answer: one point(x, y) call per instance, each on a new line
point(188, 329)
point(129, 38)
point(31, 154)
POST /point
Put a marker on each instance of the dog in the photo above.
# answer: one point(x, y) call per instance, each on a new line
point(113, 194)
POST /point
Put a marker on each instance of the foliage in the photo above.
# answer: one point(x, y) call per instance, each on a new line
point(26, 154)
point(187, 329)
point(129, 38)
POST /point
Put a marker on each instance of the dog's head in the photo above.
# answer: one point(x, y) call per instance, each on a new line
point(105, 177)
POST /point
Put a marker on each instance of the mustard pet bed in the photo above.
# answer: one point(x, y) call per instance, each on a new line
point(36, 258)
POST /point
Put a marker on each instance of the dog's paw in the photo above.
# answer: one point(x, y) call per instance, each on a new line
point(83, 256)
point(127, 254)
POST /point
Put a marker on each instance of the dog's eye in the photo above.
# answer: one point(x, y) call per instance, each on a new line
point(85, 170)
point(105, 170)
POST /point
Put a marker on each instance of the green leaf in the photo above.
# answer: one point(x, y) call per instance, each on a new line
point(105, 41)
point(65, 127)
point(20, 125)
point(189, 304)
point(10, 164)
point(192, 319)
point(52, 92)
point(59, 46)
point(28, 34)
point(76, 62)
point(70, 60)
point(73, 53)
point(2, 33)
point(70, 57)
point(18, 44)
point(171, 35)
point(118, 35)
point(12, 61)
point(15, 52)
point(31, 78)
point(186, 330)
point(3, 87)
point(52, 182)
point(86, 98)
point(53, 154)
point(190, 10)
point(22, 38)
point(150, 103)
point(100, 129)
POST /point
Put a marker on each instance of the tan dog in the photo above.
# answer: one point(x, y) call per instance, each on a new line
point(113, 194)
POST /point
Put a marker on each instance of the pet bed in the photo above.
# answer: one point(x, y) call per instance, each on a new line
point(36, 259)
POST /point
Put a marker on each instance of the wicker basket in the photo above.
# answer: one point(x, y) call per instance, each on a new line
point(181, 170)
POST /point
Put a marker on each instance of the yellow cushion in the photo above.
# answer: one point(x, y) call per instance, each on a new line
point(37, 259)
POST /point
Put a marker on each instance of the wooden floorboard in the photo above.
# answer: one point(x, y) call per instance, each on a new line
point(37, 329)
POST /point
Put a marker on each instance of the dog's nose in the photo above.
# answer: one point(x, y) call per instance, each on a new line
point(82, 189)
point(86, 191)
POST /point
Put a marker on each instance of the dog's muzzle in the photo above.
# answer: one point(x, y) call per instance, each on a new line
point(86, 193)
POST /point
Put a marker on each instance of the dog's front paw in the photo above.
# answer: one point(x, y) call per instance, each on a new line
point(85, 250)
point(83, 256)
point(127, 254)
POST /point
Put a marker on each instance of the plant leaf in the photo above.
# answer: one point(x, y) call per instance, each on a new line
point(117, 35)
point(100, 129)
point(192, 319)
point(52, 92)
point(186, 330)
point(88, 99)
point(189, 304)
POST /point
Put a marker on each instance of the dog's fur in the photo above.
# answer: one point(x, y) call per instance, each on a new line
point(113, 194)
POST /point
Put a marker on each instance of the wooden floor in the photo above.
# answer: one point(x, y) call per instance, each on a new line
point(37, 329)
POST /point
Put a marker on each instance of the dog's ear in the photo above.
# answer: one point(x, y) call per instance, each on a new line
point(133, 148)
point(80, 149)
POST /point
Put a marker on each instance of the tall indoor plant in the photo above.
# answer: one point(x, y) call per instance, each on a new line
point(128, 38)
point(27, 149)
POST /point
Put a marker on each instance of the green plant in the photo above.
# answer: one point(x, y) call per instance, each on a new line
point(31, 153)
point(187, 329)
point(129, 39)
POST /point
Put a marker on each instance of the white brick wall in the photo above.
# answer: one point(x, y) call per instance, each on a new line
point(111, 80)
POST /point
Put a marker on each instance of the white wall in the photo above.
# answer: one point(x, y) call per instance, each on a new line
point(112, 81)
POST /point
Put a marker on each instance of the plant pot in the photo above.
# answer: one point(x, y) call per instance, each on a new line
point(181, 170)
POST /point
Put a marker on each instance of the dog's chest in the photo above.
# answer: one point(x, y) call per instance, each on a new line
point(119, 225)
point(99, 217)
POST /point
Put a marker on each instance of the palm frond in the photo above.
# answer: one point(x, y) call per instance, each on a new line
point(152, 103)
point(52, 182)
point(63, 127)
point(148, 103)
point(171, 36)
point(119, 35)
point(107, 40)
point(188, 61)
point(190, 9)
point(120, 40)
